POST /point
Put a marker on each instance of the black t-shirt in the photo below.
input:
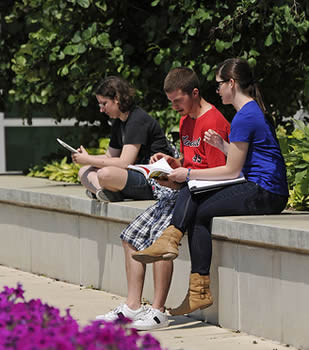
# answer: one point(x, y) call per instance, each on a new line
point(140, 129)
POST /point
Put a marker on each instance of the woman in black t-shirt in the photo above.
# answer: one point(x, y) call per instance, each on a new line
point(135, 137)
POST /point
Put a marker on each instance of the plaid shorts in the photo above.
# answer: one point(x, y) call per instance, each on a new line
point(149, 225)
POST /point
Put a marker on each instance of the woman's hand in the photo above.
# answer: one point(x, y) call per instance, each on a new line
point(214, 139)
point(178, 175)
point(81, 157)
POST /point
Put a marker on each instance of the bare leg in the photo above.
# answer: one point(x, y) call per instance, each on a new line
point(112, 178)
point(135, 277)
point(89, 178)
point(162, 273)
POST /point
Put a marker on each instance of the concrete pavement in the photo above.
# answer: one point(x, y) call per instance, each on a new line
point(183, 333)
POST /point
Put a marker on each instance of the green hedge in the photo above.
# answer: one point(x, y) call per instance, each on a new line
point(53, 52)
point(295, 149)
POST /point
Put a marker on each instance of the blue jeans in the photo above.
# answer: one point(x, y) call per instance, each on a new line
point(137, 187)
point(195, 212)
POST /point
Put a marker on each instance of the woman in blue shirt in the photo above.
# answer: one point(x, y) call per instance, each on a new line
point(253, 150)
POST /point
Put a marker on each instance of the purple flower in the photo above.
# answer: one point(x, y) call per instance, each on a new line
point(33, 325)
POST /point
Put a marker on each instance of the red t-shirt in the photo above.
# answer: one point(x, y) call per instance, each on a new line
point(197, 153)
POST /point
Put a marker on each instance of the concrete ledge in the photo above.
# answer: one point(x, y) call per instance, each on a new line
point(286, 232)
point(259, 273)
point(65, 198)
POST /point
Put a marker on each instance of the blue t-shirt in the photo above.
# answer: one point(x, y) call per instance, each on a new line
point(264, 164)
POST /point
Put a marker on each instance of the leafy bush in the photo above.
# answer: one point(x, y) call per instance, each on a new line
point(33, 325)
point(101, 149)
point(295, 149)
point(64, 170)
point(54, 52)
point(57, 171)
point(168, 119)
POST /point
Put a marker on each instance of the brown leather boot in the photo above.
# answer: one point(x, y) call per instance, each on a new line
point(198, 296)
point(164, 248)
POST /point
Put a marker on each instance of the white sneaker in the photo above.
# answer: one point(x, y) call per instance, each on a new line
point(123, 310)
point(151, 319)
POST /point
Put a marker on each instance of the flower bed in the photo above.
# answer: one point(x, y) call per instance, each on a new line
point(32, 325)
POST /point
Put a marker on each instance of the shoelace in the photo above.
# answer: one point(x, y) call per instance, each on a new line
point(151, 314)
point(117, 310)
point(144, 315)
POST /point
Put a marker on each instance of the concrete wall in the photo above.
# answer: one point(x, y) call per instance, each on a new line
point(75, 248)
point(260, 274)
point(263, 292)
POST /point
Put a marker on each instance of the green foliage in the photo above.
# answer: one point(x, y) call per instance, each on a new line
point(295, 149)
point(11, 36)
point(64, 47)
point(57, 171)
point(64, 170)
point(101, 149)
point(168, 119)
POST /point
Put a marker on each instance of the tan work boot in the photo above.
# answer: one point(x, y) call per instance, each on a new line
point(198, 296)
point(164, 248)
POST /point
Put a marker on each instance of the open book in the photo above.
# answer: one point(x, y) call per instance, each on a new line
point(199, 186)
point(155, 170)
point(68, 147)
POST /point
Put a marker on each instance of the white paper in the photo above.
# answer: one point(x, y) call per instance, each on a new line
point(204, 185)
